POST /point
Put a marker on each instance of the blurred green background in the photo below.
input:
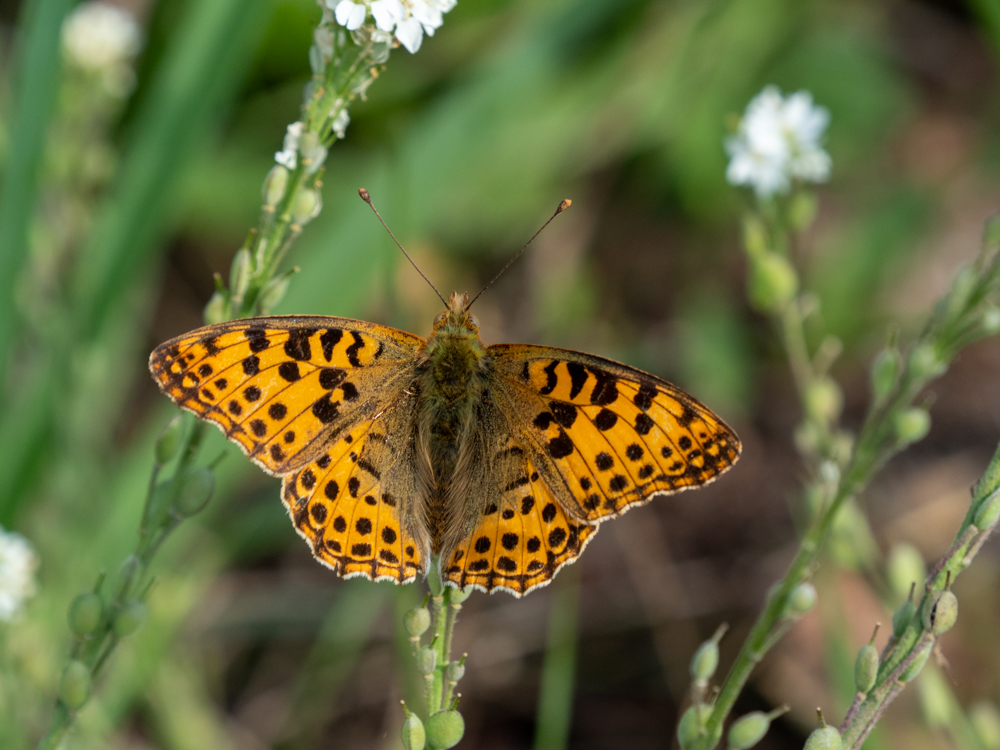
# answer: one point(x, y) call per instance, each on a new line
point(116, 212)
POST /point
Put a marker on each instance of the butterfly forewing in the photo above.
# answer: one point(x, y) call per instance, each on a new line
point(609, 436)
point(322, 402)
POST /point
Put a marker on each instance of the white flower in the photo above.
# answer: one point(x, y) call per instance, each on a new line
point(18, 563)
point(408, 20)
point(288, 157)
point(97, 36)
point(349, 13)
point(778, 139)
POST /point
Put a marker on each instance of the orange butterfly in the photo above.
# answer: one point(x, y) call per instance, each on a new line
point(501, 461)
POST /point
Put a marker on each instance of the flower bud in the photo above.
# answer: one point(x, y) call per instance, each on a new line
point(802, 210)
point(195, 491)
point(916, 665)
point(445, 729)
point(773, 282)
point(912, 425)
point(885, 370)
point(755, 236)
point(455, 671)
point(217, 309)
point(74, 687)
point(823, 400)
point(169, 441)
point(925, 363)
point(129, 619)
point(902, 618)
point(988, 512)
point(274, 292)
point(986, 723)
point(906, 567)
point(940, 612)
point(426, 660)
point(414, 736)
point(275, 185)
point(85, 613)
point(801, 599)
point(866, 667)
point(691, 725)
point(416, 621)
point(239, 272)
point(705, 661)
point(750, 729)
point(824, 738)
point(306, 207)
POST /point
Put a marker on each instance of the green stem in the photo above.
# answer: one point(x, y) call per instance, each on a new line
point(555, 695)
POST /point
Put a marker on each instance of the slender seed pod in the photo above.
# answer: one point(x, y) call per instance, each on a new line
point(750, 729)
point(195, 491)
point(691, 725)
point(414, 735)
point(988, 512)
point(85, 613)
point(902, 617)
point(169, 441)
point(866, 665)
point(885, 370)
point(129, 619)
point(916, 666)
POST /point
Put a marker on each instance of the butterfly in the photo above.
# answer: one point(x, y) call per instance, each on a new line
point(499, 463)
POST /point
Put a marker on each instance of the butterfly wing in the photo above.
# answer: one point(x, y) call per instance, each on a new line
point(322, 402)
point(591, 438)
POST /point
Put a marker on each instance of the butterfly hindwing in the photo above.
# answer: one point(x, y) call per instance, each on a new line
point(610, 436)
point(277, 386)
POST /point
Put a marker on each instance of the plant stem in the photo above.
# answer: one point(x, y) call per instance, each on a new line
point(555, 693)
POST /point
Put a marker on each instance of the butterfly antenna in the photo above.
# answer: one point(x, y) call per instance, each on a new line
point(562, 207)
point(368, 199)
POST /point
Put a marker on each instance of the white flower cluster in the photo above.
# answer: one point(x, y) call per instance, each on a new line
point(18, 563)
point(407, 20)
point(778, 140)
point(103, 38)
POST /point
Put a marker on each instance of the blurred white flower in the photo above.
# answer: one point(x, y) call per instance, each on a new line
point(18, 563)
point(288, 157)
point(104, 39)
point(340, 123)
point(408, 20)
point(778, 140)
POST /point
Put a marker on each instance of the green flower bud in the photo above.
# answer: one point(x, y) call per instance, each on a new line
point(750, 729)
point(705, 661)
point(445, 729)
point(755, 238)
point(802, 210)
point(824, 738)
point(773, 282)
point(940, 612)
point(912, 425)
point(85, 613)
point(455, 671)
point(416, 621)
point(691, 725)
point(901, 619)
point(991, 321)
point(925, 363)
point(129, 619)
point(986, 722)
point(217, 309)
point(169, 441)
point(916, 665)
point(274, 185)
point(866, 667)
point(414, 736)
point(800, 600)
point(306, 206)
point(906, 567)
point(239, 273)
point(426, 660)
point(195, 491)
point(824, 400)
point(74, 687)
point(988, 512)
point(274, 292)
point(458, 596)
point(885, 370)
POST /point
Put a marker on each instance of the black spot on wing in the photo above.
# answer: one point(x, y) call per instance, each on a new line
point(353, 349)
point(644, 397)
point(297, 346)
point(328, 340)
point(605, 389)
point(325, 410)
point(577, 378)
point(551, 378)
point(257, 338)
point(565, 414)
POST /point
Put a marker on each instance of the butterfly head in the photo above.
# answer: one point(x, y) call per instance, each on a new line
point(457, 318)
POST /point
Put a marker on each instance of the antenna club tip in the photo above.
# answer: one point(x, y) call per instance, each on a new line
point(364, 196)
point(564, 205)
